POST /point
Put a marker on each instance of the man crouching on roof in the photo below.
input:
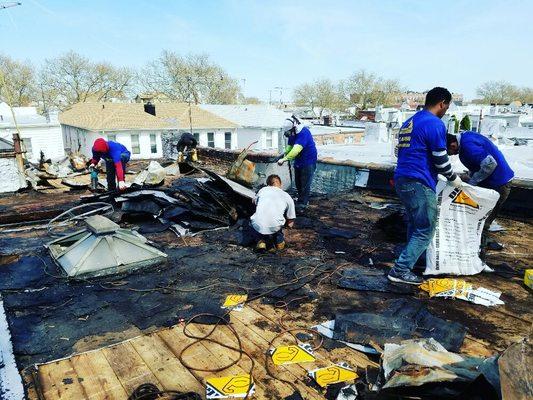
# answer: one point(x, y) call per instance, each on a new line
point(274, 210)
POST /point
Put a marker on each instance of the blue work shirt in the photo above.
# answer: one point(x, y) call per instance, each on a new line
point(474, 148)
point(308, 155)
point(419, 136)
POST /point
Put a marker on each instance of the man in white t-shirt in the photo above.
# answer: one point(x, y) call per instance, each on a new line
point(274, 210)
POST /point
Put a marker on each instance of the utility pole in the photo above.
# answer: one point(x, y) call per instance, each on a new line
point(280, 93)
point(189, 81)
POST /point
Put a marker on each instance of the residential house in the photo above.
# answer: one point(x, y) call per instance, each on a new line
point(209, 129)
point(148, 130)
point(126, 123)
point(38, 133)
point(152, 98)
point(326, 135)
point(258, 123)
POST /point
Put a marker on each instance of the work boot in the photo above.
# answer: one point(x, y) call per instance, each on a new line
point(280, 246)
point(405, 277)
point(261, 246)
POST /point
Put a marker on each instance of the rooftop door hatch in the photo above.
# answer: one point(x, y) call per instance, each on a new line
point(103, 248)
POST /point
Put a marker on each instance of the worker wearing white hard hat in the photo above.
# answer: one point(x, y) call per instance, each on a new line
point(301, 149)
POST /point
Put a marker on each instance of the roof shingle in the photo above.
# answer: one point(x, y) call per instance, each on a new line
point(111, 116)
point(125, 116)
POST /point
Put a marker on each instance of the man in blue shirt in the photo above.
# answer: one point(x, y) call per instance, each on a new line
point(300, 148)
point(421, 157)
point(487, 168)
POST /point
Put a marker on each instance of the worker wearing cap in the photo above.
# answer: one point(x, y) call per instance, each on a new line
point(421, 158)
point(487, 168)
point(116, 156)
point(301, 149)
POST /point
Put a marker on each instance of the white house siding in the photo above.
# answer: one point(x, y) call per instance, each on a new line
point(45, 138)
point(77, 138)
point(219, 136)
point(246, 136)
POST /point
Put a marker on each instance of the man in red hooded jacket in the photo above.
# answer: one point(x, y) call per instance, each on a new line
point(116, 156)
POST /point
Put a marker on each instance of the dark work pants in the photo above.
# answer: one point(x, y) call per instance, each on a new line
point(111, 173)
point(251, 236)
point(304, 178)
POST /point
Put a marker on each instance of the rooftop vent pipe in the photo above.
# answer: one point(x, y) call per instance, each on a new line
point(149, 108)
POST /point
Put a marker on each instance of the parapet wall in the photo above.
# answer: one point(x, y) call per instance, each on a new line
point(333, 176)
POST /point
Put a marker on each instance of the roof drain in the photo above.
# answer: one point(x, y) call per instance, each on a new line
point(103, 248)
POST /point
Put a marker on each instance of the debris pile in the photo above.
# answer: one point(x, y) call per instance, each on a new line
point(459, 289)
point(400, 319)
point(423, 367)
point(68, 172)
point(188, 206)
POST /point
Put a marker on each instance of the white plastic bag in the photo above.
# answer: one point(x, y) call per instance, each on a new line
point(461, 216)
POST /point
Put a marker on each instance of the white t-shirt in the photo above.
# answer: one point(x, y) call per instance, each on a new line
point(272, 204)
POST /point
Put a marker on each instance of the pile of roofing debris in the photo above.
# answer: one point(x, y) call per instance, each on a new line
point(71, 173)
point(186, 207)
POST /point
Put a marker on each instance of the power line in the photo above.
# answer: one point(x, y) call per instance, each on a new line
point(10, 4)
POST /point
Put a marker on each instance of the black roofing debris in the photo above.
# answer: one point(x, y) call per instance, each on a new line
point(374, 280)
point(399, 320)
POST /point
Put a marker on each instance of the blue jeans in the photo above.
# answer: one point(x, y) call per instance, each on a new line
point(251, 236)
point(304, 178)
point(420, 204)
point(111, 173)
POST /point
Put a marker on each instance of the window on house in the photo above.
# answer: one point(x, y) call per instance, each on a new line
point(113, 138)
point(197, 137)
point(153, 143)
point(135, 147)
point(210, 139)
point(268, 140)
point(227, 140)
point(26, 142)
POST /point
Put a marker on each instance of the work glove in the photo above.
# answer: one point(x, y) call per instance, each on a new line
point(282, 161)
point(121, 185)
point(457, 182)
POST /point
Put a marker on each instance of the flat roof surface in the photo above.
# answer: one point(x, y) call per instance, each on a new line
point(69, 317)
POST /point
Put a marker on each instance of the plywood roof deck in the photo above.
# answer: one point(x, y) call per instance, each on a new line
point(114, 372)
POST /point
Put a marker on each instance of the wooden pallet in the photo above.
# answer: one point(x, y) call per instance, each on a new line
point(114, 372)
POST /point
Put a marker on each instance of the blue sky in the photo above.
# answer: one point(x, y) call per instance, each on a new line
point(271, 43)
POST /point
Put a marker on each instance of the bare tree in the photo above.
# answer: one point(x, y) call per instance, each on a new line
point(498, 92)
point(387, 92)
point(525, 95)
point(305, 95)
point(364, 88)
point(17, 82)
point(190, 78)
point(322, 93)
point(72, 78)
point(359, 88)
point(252, 100)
